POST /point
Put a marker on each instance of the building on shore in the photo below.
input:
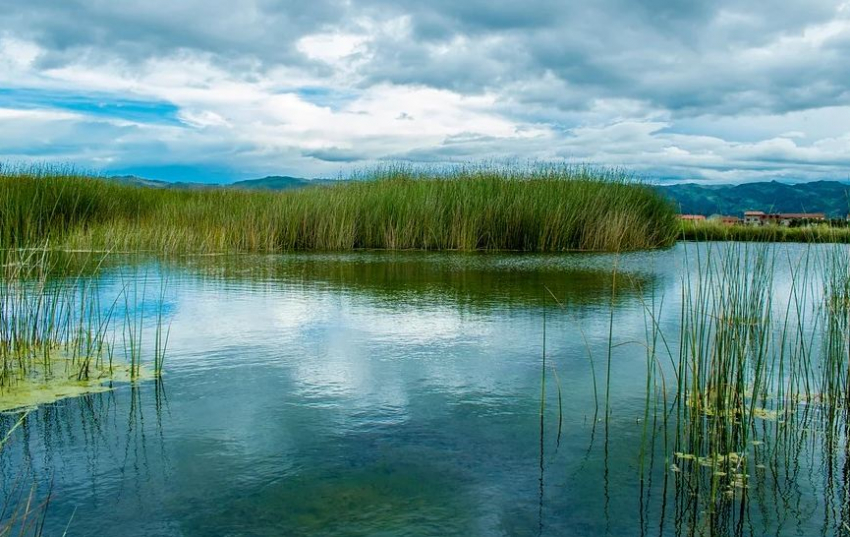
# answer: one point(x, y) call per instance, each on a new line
point(754, 218)
point(724, 220)
point(759, 218)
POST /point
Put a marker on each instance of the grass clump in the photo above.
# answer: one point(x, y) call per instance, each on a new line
point(58, 337)
point(539, 209)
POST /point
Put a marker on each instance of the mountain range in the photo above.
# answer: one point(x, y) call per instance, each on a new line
point(271, 182)
point(830, 197)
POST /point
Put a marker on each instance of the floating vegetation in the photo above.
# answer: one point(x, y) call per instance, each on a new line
point(60, 379)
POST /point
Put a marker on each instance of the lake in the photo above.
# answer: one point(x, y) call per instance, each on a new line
point(378, 393)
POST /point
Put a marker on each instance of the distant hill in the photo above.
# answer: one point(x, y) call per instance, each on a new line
point(830, 197)
point(279, 182)
point(154, 183)
point(140, 181)
point(272, 182)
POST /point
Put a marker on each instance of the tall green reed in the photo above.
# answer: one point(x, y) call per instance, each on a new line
point(756, 371)
point(57, 322)
point(551, 208)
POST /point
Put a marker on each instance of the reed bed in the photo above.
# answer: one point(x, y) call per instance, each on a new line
point(59, 335)
point(715, 231)
point(538, 209)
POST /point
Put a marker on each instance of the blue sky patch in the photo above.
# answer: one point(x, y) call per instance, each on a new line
point(323, 96)
point(97, 105)
point(183, 173)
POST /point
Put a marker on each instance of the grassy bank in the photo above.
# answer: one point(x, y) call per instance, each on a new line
point(547, 209)
point(711, 231)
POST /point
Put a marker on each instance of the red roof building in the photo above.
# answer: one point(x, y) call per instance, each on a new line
point(758, 218)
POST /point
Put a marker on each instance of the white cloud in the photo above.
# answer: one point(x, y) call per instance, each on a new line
point(330, 48)
point(743, 94)
point(37, 115)
point(16, 55)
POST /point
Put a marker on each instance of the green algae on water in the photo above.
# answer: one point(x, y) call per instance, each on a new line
point(60, 379)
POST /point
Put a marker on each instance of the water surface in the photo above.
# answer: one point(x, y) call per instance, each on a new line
point(388, 394)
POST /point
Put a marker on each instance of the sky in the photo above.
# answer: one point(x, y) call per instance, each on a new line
point(713, 91)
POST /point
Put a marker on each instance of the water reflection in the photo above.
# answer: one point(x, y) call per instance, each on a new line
point(83, 454)
point(402, 279)
point(396, 394)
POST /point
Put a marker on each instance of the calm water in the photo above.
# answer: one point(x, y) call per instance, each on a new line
point(386, 394)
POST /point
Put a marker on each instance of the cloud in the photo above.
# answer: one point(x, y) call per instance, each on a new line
point(672, 89)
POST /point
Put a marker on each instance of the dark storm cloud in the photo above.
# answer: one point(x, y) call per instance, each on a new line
point(686, 57)
point(137, 30)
